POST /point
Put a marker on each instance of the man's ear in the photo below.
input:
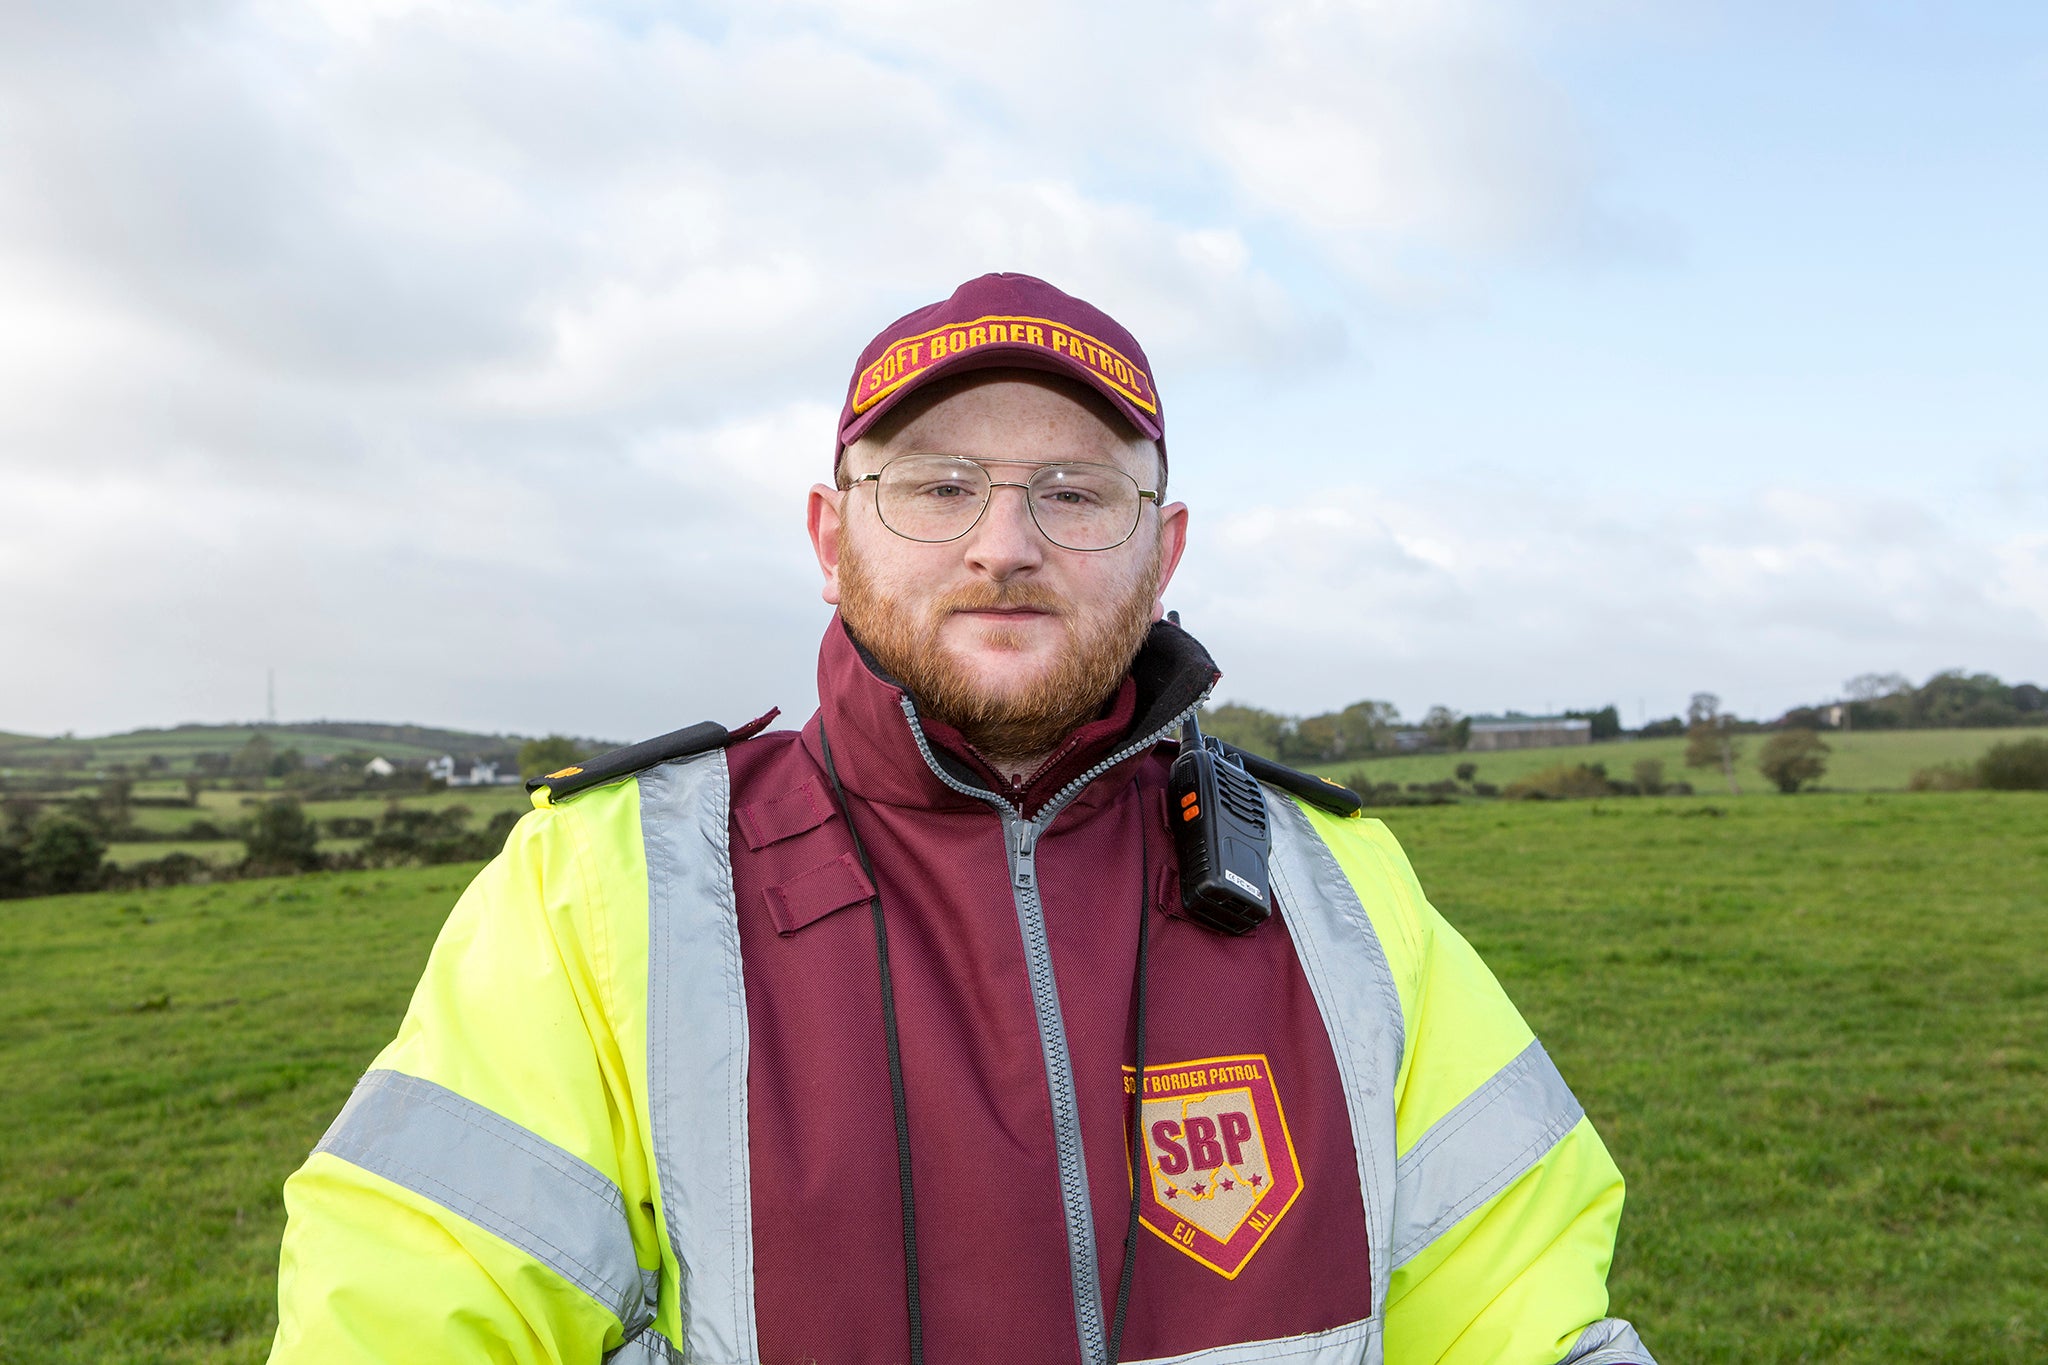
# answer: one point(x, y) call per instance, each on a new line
point(1173, 540)
point(823, 515)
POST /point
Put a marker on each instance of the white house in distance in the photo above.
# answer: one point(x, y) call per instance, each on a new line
point(1490, 733)
point(479, 774)
point(379, 767)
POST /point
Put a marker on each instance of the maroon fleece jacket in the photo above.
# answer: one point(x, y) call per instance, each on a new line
point(992, 1237)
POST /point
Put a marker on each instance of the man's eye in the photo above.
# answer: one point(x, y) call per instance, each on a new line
point(945, 491)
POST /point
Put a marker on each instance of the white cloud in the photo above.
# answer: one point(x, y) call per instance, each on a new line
point(1528, 596)
point(1412, 141)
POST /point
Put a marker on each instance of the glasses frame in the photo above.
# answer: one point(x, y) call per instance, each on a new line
point(1144, 495)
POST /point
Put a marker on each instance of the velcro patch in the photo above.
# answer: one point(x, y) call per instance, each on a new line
point(912, 356)
point(810, 896)
point(1220, 1166)
point(776, 818)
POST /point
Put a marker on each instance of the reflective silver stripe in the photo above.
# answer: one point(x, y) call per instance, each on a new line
point(697, 1054)
point(1609, 1341)
point(1485, 1144)
point(1345, 1344)
point(551, 1204)
point(1361, 1008)
point(649, 1348)
point(650, 1288)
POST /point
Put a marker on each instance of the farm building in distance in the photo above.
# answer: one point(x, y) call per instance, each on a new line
point(1527, 732)
point(481, 774)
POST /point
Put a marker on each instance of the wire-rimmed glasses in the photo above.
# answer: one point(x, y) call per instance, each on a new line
point(1075, 505)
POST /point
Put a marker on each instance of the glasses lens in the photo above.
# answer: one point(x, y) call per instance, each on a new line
point(931, 497)
point(1084, 506)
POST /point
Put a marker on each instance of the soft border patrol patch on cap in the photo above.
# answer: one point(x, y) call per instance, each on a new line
point(912, 356)
point(1220, 1165)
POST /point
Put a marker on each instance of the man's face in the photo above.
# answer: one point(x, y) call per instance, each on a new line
point(1001, 633)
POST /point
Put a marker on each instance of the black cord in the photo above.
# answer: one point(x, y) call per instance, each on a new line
point(896, 1097)
point(1139, 1166)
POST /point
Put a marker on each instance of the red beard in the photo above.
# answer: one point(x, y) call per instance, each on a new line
point(1013, 727)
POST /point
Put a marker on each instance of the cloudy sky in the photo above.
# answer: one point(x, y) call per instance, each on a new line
point(467, 363)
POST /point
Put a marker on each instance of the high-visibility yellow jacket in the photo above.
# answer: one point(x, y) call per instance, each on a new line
point(637, 1108)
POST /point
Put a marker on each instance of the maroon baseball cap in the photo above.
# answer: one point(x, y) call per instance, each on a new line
point(1002, 321)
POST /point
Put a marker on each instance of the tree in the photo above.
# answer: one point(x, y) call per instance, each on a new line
point(1649, 773)
point(539, 757)
point(1792, 758)
point(253, 759)
point(13, 872)
point(1260, 732)
point(1710, 738)
point(116, 801)
point(1356, 730)
point(19, 813)
point(62, 855)
point(87, 811)
point(282, 837)
point(1606, 721)
point(1446, 727)
point(2021, 765)
point(1316, 739)
point(1875, 686)
point(1364, 724)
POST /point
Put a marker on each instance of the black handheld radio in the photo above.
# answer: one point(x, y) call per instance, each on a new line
point(1218, 816)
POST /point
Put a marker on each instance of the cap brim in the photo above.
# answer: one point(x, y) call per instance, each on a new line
point(1002, 356)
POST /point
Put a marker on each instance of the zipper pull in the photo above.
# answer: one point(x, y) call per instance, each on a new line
point(1025, 868)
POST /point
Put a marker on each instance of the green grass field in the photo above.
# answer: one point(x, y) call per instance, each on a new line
point(1877, 761)
point(216, 851)
point(170, 1056)
point(220, 852)
point(225, 807)
point(1810, 1029)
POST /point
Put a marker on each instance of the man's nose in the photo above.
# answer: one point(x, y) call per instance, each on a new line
point(1006, 540)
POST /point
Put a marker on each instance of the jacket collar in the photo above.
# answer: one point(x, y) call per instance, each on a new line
point(884, 752)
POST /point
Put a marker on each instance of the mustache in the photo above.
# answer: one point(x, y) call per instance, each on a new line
point(1000, 597)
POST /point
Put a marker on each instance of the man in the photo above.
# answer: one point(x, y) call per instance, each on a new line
point(843, 1044)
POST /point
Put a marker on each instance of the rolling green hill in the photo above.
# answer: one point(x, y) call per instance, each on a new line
point(1882, 760)
point(178, 746)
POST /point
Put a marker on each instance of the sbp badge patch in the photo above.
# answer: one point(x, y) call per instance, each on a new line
point(1220, 1165)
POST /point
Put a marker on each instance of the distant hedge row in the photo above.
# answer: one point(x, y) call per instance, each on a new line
point(2016, 766)
point(61, 851)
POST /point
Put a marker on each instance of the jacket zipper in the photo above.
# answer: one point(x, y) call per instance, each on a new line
point(1020, 840)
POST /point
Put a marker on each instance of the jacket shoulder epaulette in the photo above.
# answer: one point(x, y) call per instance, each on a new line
point(1317, 791)
point(622, 763)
